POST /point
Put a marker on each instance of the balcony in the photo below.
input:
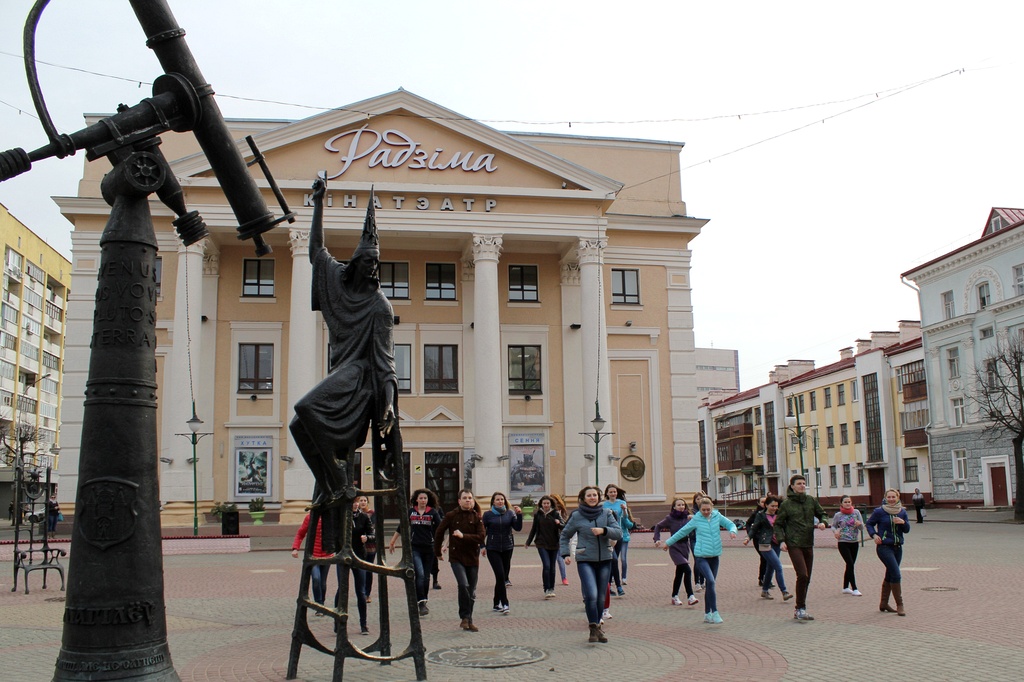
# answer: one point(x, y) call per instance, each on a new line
point(915, 438)
point(917, 390)
point(735, 431)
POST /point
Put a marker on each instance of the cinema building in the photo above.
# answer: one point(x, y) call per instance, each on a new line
point(531, 275)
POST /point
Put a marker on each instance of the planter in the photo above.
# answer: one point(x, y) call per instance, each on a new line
point(257, 517)
point(527, 513)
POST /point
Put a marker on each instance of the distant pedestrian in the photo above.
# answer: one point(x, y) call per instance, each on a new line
point(465, 532)
point(887, 525)
point(560, 506)
point(362, 533)
point(615, 500)
point(918, 500)
point(10, 512)
point(546, 532)
point(595, 529)
point(371, 546)
point(848, 527)
point(762, 534)
point(500, 521)
point(678, 517)
point(761, 562)
point(698, 577)
point(424, 518)
point(319, 572)
point(798, 515)
point(707, 526)
point(53, 515)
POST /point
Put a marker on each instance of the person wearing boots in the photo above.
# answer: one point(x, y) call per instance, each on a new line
point(887, 525)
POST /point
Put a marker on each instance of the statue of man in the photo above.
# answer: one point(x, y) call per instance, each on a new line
point(331, 420)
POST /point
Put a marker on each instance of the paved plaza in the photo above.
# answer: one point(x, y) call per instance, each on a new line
point(230, 618)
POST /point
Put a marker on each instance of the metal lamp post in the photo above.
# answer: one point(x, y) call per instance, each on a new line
point(598, 423)
point(194, 424)
point(792, 421)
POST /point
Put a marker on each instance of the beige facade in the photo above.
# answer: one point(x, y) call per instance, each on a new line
point(530, 275)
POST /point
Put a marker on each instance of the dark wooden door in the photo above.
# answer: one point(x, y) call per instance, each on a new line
point(876, 486)
point(442, 476)
point(998, 477)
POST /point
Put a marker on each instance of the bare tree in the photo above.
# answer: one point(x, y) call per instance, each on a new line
point(18, 441)
point(998, 393)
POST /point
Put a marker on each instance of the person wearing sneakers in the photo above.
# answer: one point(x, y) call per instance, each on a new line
point(595, 528)
point(560, 506)
point(499, 523)
point(678, 517)
point(707, 527)
point(698, 578)
point(465, 535)
point(546, 530)
point(762, 532)
point(887, 525)
point(615, 499)
point(798, 515)
point(424, 518)
point(848, 527)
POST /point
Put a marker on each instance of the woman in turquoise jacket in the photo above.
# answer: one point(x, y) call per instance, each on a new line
point(707, 525)
point(615, 500)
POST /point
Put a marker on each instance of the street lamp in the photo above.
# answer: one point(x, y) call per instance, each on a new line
point(793, 423)
point(194, 424)
point(598, 423)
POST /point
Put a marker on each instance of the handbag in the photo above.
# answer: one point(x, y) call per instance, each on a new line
point(60, 516)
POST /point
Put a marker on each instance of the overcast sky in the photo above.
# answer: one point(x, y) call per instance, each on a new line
point(868, 138)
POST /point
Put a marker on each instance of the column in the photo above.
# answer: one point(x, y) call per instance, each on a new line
point(594, 340)
point(490, 474)
point(304, 332)
point(576, 466)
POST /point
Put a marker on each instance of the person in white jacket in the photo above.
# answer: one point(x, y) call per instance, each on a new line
point(707, 525)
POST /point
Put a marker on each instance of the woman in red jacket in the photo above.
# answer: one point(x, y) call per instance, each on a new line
point(320, 571)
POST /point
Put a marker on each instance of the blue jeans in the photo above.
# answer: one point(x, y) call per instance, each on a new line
point(594, 576)
point(891, 556)
point(548, 559)
point(621, 549)
point(422, 560)
point(465, 577)
point(561, 566)
point(707, 566)
point(773, 565)
point(359, 586)
point(319, 582)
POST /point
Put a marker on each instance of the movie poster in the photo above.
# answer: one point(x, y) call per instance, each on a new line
point(526, 463)
point(253, 455)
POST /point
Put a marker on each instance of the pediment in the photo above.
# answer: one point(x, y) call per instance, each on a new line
point(402, 140)
point(441, 414)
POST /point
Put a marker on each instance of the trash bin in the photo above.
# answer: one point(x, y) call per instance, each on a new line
point(229, 523)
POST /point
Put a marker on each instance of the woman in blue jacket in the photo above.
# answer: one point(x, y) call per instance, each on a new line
point(707, 525)
point(615, 499)
point(499, 522)
point(887, 525)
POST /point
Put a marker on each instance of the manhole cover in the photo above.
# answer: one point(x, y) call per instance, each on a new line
point(940, 589)
point(54, 599)
point(487, 656)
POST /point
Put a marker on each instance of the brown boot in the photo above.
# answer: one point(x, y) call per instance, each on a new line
point(897, 593)
point(464, 624)
point(601, 636)
point(883, 605)
point(593, 633)
point(470, 627)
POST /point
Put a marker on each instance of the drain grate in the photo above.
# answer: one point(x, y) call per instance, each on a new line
point(487, 656)
point(940, 589)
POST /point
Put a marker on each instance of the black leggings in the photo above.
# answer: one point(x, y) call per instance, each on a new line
point(683, 576)
point(848, 550)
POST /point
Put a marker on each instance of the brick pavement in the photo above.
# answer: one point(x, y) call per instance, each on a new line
point(230, 619)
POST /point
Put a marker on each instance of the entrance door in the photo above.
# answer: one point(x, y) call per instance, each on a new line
point(997, 476)
point(876, 486)
point(442, 476)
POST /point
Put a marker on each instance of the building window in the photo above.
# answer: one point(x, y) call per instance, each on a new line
point(873, 418)
point(394, 280)
point(991, 375)
point(522, 283)
point(910, 470)
point(524, 369)
point(854, 392)
point(846, 475)
point(959, 416)
point(626, 286)
point(403, 367)
point(984, 297)
point(158, 273)
point(844, 434)
point(800, 403)
point(1018, 280)
point(757, 416)
point(860, 477)
point(441, 369)
point(440, 281)
point(960, 465)
point(814, 401)
point(953, 362)
point(817, 479)
point(830, 436)
point(841, 394)
point(948, 307)
point(987, 333)
point(258, 277)
point(828, 396)
point(833, 477)
point(255, 367)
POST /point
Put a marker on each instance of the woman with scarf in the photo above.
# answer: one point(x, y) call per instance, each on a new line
point(762, 532)
point(887, 525)
point(595, 528)
point(546, 530)
point(678, 517)
point(848, 526)
point(465, 534)
point(499, 523)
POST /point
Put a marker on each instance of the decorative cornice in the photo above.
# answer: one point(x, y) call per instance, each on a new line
point(486, 247)
point(570, 273)
point(589, 251)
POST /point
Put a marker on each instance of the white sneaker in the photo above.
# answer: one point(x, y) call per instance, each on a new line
point(676, 601)
point(691, 600)
point(856, 593)
point(607, 615)
point(847, 590)
point(699, 588)
point(504, 609)
point(624, 581)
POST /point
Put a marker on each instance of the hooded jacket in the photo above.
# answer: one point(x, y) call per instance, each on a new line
point(590, 547)
point(708, 531)
point(794, 524)
point(679, 552)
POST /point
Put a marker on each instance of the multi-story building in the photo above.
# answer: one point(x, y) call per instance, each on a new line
point(718, 372)
point(36, 280)
point(531, 275)
point(852, 427)
point(970, 298)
